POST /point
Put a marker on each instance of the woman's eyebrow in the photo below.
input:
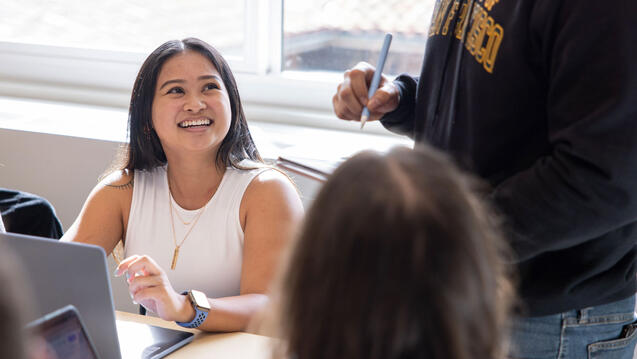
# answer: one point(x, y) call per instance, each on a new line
point(208, 77)
point(180, 81)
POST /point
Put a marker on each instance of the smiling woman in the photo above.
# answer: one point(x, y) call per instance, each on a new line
point(157, 95)
point(192, 195)
point(191, 110)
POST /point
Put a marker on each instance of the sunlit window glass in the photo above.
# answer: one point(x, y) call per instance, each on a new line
point(123, 25)
point(334, 35)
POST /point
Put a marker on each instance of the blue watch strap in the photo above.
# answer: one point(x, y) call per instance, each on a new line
point(200, 316)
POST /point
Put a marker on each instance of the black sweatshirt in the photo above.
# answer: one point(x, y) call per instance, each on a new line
point(539, 98)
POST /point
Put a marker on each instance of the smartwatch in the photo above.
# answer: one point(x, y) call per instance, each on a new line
point(201, 305)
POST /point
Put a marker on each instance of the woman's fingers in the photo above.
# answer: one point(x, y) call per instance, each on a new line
point(123, 265)
point(135, 284)
point(152, 293)
point(138, 265)
point(167, 304)
point(149, 299)
point(149, 286)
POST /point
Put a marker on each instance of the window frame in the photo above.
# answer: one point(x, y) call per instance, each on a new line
point(105, 78)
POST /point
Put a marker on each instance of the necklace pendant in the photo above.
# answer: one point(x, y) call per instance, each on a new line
point(173, 265)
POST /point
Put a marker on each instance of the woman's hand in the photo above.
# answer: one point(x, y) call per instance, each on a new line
point(150, 287)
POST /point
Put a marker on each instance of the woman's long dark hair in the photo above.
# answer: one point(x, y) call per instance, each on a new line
point(398, 258)
point(144, 150)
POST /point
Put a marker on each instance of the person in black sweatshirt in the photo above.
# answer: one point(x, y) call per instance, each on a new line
point(539, 98)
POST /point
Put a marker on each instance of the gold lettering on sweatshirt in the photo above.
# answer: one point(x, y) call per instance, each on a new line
point(481, 36)
point(490, 51)
point(450, 16)
point(478, 29)
point(439, 14)
point(460, 26)
point(489, 4)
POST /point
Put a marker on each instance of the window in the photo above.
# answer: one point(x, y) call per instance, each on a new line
point(287, 56)
point(334, 35)
point(123, 25)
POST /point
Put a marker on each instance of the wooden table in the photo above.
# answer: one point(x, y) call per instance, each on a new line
point(207, 345)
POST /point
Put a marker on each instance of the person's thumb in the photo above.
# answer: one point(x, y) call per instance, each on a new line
point(384, 100)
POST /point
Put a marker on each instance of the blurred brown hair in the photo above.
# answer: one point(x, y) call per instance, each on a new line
point(398, 258)
point(13, 302)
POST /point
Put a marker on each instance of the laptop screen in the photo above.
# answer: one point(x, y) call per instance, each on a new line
point(86, 285)
point(63, 335)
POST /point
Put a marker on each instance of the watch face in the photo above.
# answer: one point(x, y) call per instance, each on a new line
point(200, 300)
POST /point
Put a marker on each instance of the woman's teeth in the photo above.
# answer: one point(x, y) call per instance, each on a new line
point(191, 123)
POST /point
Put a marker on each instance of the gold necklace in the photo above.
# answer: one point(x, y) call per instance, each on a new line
point(180, 217)
point(173, 264)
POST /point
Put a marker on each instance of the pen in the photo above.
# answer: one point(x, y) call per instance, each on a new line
point(376, 79)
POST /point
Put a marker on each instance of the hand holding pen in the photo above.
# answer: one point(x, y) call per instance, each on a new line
point(352, 94)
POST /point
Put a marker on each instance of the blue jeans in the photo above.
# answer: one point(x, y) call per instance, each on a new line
point(607, 331)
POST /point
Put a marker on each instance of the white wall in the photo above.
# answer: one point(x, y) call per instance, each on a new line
point(62, 169)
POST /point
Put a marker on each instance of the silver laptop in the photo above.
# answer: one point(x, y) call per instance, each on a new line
point(64, 273)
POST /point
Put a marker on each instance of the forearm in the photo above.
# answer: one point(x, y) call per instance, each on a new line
point(231, 314)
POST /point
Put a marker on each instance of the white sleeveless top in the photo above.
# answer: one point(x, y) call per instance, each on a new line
point(2, 230)
point(210, 258)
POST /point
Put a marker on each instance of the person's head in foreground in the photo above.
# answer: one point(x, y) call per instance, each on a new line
point(14, 302)
point(398, 258)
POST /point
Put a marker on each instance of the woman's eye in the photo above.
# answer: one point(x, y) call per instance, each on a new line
point(211, 86)
point(175, 90)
